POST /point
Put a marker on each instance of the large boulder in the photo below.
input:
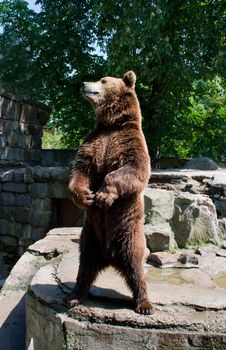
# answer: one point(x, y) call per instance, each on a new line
point(195, 220)
point(159, 206)
point(201, 163)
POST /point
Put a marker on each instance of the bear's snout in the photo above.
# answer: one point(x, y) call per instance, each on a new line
point(89, 89)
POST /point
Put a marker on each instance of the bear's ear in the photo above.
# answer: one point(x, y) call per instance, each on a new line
point(129, 79)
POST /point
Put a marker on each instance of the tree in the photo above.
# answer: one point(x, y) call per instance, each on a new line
point(47, 55)
point(169, 44)
point(200, 128)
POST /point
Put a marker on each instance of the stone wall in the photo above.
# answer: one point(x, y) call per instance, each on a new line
point(33, 200)
point(21, 124)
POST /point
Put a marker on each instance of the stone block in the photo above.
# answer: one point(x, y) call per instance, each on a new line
point(22, 215)
point(39, 190)
point(18, 175)
point(28, 114)
point(15, 229)
point(41, 204)
point(10, 125)
point(41, 218)
point(10, 153)
point(8, 240)
point(13, 139)
point(35, 155)
point(58, 190)
point(3, 226)
point(15, 187)
point(38, 233)
point(23, 200)
point(27, 231)
point(9, 109)
point(31, 129)
point(36, 142)
point(1, 125)
point(6, 212)
point(28, 175)
point(6, 176)
point(7, 198)
point(24, 141)
point(43, 174)
point(3, 141)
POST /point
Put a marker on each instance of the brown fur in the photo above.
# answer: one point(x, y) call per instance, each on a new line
point(111, 171)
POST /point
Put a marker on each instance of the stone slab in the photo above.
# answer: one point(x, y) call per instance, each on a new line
point(110, 285)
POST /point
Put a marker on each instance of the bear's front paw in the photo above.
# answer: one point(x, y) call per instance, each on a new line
point(83, 199)
point(105, 199)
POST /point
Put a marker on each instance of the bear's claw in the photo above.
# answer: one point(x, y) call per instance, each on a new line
point(145, 308)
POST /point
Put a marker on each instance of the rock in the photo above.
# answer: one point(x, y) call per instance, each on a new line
point(158, 206)
point(219, 181)
point(195, 220)
point(221, 207)
point(188, 260)
point(176, 260)
point(223, 245)
point(201, 163)
point(213, 265)
point(197, 277)
point(221, 253)
point(163, 259)
point(222, 227)
point(159, 238)
point(208, 250)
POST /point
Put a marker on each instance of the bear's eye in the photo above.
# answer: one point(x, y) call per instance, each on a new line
point(103, 81)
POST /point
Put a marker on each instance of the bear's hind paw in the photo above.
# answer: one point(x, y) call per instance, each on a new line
point(145, 308)
point(72, 300)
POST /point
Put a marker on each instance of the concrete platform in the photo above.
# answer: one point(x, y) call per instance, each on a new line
point(190, 307)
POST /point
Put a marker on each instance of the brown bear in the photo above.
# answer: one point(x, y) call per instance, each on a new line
point(111, 171)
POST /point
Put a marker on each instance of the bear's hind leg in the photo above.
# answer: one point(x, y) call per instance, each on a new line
point(91, 263)
point(134, 276)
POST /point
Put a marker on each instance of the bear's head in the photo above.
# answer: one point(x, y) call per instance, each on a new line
point(112, 97)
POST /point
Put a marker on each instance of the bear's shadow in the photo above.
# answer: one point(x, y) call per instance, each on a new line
point(99, 297)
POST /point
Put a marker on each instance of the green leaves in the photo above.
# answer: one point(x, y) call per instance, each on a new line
point(170, 45)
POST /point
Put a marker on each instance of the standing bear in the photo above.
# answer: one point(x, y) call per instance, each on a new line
point(111, 171)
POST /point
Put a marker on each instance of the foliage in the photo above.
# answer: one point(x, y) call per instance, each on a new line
point(53, 139)
point(169, 44)
point(201, 128)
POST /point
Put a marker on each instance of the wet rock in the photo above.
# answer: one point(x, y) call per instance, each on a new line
point(163, 259)
point(177, 260)
point(197, 277)
point(188, 260)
